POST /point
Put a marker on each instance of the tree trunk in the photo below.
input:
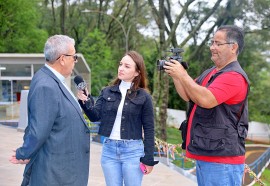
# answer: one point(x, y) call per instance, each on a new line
point(54, 17)
point(63, 17)
point(161, 80)
point(164, 98)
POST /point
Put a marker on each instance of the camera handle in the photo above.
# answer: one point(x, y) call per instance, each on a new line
point(184, 64)
point(178, 58)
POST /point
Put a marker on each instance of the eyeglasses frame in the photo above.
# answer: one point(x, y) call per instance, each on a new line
point(213, 43)
point(75, 57)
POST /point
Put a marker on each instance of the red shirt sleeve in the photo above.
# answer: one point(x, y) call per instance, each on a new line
point(229, 88)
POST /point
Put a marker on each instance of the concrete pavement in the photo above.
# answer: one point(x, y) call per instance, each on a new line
point(11, 175)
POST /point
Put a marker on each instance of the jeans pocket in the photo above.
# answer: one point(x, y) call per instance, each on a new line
point(106, 141)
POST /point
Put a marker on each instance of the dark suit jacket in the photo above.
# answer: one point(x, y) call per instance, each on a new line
point(57, 138)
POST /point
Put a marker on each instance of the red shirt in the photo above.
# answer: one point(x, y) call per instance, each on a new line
point(229, 88)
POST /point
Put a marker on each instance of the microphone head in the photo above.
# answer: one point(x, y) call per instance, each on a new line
point(78, 80)
point(80, 84)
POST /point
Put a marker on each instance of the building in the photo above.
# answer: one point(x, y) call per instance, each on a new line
point(16, 73)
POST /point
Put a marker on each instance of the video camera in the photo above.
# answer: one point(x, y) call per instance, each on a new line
point(176, 56)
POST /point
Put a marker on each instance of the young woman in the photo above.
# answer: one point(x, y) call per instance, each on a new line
point(125, 111)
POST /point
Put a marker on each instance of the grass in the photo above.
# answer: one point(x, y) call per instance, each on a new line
point(174, 137)
point(265, 177)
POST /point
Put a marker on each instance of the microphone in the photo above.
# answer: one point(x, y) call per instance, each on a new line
point(81, 85)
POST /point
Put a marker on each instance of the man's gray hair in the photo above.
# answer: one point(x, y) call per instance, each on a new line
point(56, 46)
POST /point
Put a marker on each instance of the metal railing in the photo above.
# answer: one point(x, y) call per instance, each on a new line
point(259, 165)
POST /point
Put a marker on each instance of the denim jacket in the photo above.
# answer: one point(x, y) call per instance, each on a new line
point(137, 117)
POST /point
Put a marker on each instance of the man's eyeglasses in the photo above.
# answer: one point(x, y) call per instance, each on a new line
point(75, 56)
point(214, 43)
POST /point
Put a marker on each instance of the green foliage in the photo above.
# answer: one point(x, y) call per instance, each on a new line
point(98, 56)
point(257, 70)
point(87, 120)
point(260, 11)
point(18, 27)
point(259, 98)
point(265, 177)
point(149, 53)
point(24, 27)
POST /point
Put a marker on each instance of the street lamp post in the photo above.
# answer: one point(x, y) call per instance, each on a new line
point(126, 33)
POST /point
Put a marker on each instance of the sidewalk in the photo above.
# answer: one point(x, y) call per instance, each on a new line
point(11, 175)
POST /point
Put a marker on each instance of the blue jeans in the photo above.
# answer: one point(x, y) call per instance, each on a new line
point(120, 162)
point(217, 174)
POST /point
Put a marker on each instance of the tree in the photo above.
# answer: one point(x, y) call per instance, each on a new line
point(187, 24)
point(98, 56)
point(161, 85)
point(197, 21)
point(18, 27)
point(257, 68)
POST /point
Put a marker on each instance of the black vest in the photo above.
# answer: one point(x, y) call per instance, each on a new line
point(220, 131)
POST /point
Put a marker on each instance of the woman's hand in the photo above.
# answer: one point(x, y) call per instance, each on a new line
point(148, 169)
point(82, 96)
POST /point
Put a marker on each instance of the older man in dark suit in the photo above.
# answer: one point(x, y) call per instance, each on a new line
point(56, 141)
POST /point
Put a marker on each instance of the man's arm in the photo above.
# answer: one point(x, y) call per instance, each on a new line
point(198, 94)
point(187, 88)
point(43, 104)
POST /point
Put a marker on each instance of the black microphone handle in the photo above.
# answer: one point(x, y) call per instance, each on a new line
point(89, 103)
point(84, 92)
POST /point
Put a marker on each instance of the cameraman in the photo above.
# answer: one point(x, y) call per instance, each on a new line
point(217, 121)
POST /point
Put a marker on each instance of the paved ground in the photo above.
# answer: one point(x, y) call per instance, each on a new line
point(11, 175)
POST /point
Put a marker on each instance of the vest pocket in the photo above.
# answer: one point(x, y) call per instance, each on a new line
point(208, 137)
point(203, 113)
point(242, 130)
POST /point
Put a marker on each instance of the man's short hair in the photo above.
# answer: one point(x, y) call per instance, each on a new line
point(234, 34)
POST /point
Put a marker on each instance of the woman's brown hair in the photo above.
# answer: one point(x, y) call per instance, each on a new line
point(139, 81)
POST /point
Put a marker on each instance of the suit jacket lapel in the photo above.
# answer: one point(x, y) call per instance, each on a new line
point(66, 92)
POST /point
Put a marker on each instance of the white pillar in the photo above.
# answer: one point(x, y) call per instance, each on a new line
point(23, 120)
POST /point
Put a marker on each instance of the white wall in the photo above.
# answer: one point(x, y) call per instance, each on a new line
point(23, 120)
point(259, 132)
point(175, 117)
